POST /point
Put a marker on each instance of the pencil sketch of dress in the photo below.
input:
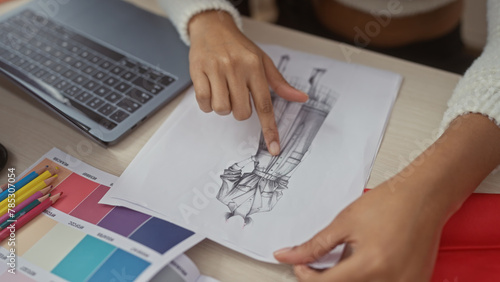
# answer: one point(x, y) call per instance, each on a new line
point(258, 190)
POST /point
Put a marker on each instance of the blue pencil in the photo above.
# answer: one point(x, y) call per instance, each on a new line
point(20, 184)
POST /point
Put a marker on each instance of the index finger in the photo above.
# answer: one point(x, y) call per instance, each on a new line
point(264, 108)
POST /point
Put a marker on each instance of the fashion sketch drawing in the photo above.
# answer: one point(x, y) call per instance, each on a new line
point(247, 190)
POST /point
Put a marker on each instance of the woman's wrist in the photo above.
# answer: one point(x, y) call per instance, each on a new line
point(447, 172)
point(207, 21)
point(414, 192)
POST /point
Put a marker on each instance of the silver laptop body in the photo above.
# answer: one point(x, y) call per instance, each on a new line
point(103, 65)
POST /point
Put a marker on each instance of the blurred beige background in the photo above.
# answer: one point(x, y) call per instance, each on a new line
point(473, 24)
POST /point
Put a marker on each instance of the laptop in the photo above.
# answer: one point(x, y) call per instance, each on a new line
point(103, 65)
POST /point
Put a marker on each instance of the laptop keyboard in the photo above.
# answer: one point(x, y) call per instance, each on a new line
point(102, 83)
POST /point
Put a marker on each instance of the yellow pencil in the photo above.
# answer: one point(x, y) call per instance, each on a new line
point(38, 187)
point(20, 196)
point(46, 174)
point(35, 174)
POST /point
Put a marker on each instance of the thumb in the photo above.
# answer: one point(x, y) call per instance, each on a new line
point(280, 85)
point(312, 250)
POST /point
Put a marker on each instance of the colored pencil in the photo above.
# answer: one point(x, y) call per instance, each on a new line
point(26, 179)
point(20, 196)
point(23, 220)
point(23, 211)
point(33, 197)
point(21, 182)
point(46, 174)
point(27, 193)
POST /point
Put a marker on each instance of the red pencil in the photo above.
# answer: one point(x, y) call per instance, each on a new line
point(23, 220)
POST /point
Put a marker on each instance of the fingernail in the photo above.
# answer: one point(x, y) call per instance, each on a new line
point(306, 96)
point(274, 148)
point(282, 251)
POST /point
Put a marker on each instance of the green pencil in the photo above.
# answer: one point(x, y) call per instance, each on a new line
point(23, 211)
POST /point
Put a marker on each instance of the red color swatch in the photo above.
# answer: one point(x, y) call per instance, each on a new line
point(75, 188)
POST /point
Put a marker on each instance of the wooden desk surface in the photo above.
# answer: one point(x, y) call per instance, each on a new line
point(29, 131)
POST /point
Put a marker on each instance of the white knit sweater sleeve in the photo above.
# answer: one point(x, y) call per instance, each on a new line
point(479, 89)
point(181, 11)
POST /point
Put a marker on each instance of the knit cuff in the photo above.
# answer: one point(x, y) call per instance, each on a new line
point(477, 92)
point(180, 12)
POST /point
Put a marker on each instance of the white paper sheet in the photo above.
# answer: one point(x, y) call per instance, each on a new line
point(182, 269)
point(177, 175)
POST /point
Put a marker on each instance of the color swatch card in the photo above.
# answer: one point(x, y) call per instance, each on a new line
point(78, 239)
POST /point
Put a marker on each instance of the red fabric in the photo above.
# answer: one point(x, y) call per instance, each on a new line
point(470, 242)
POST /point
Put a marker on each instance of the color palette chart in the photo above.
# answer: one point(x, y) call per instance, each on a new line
point(78, 239)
